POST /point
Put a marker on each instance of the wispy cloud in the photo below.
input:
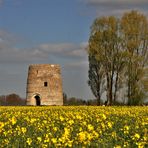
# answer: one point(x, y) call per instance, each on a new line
point(63, 49)
point(10, 53)
point(7, 39)
point(79, 65)
point(116, 7)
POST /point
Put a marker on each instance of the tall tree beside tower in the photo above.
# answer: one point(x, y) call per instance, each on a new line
point(118, 48)
point(134, 30)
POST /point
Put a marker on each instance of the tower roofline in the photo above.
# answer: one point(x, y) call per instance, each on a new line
point(44, 65)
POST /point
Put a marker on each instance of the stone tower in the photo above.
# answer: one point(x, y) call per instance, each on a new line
point(44, 85)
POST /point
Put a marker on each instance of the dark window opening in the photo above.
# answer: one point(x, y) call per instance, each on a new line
point(45, 84)
point(38, 100)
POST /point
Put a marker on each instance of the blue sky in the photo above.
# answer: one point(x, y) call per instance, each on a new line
point(46, 20)
point(51, 31)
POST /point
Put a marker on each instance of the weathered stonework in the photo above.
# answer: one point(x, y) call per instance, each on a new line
point(44, 85)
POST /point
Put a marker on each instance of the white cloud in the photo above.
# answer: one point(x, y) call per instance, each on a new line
point(63, 49)
point(10, 53)
point(7, 39)
point(79, 65)
point(56, 49)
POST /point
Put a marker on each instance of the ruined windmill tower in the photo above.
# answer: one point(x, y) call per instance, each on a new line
point(44, 85)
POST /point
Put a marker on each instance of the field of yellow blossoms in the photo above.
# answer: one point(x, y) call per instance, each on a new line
point(65, 126)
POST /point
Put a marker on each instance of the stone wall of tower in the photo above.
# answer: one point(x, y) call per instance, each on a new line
point(45, 83)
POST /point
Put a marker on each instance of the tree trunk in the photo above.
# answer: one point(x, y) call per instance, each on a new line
point(98, 92)
point(98, 99)
point(110, 94)
point(116, 87)
point(129, 93)
point(107, 91)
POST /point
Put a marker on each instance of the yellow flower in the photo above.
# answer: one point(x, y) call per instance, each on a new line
point(82, 136)
point(54, 140)
point(104, 117)
point(13, 120)
point(6, 141)
point(109, 124)
point(90, 127)
point(125, 144)
point(61, 118)
point(46, 138)
point(66, 131)
point(44, 146)
point(114, 135)
point(32, 120)
point(78, 117)
point(140, 145)
point(1, 125)
point(89, 136)
point(69, 143)
point(45, 121)
point(102, 125)
point(80, 129)
point(23, 129)
point(95, 134)
point(70, 122)
point(39, 139)
point(29, 141)
point(126, 127)
point(84, 122)
point(55, 129)
point(137, 136)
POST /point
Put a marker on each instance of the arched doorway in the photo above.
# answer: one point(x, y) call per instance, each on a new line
point(38, 100)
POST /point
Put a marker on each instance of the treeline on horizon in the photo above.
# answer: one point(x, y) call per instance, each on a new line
point(12, 100)
point(15, 100)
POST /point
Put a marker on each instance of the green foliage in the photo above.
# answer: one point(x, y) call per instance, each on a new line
point(135, 37)
point(95, 75)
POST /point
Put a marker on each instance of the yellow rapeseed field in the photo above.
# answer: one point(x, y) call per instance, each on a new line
point(81, 126)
